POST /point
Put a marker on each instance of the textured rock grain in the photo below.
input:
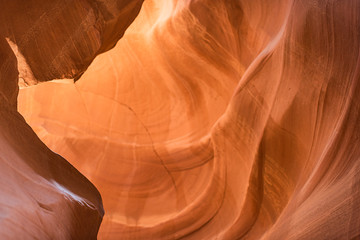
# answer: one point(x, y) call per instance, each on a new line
point(208, 119)
point(42, 196)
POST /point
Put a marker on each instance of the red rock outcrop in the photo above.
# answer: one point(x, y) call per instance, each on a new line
point(208, 120)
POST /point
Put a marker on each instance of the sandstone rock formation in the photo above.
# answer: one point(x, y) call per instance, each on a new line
point(208, 120)
point(41, 195)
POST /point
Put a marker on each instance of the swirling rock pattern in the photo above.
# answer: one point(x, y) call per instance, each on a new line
point(41, 195)
point(214, 120)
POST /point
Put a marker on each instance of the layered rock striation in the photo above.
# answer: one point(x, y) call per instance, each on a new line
point(42, 196)
point(207, 120)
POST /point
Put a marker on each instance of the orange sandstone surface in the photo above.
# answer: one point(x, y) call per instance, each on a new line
point(42, 196)
point(198, 119)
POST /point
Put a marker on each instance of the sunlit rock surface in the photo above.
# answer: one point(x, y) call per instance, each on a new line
point(41, 195)
point(208, 120)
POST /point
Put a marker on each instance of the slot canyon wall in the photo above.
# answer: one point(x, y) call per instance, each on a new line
point(42, 196)
point(198, 119)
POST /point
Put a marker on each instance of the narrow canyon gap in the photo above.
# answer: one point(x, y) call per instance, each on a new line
point(228, 119)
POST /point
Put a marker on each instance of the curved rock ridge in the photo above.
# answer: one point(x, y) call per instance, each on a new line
point(218, 120)
point(42, 196)
point(60, 38)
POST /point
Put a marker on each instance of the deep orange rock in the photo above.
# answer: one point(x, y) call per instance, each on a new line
point(42, 196)
point(207, 120)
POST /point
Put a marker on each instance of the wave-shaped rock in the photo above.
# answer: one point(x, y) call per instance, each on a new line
point(208, 119)
point(42, 196)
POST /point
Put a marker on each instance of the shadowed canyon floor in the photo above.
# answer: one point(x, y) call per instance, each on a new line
point(194, 119)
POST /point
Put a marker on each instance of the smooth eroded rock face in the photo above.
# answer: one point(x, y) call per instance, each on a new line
point(42, 196)
point(208, 119)
point(60, 38)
